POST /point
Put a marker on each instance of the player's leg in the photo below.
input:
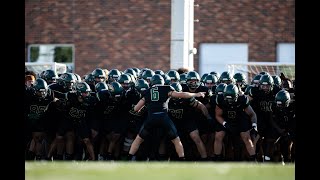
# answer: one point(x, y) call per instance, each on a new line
point(218, 142)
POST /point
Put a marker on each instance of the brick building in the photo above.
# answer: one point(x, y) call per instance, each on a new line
point(136, 33)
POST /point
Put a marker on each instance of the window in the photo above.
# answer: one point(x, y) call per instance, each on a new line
point(216, 56)
point(60, 53)
point(286, 52)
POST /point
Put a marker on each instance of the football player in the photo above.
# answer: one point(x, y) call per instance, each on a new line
point(232, 111)
point(155, 99)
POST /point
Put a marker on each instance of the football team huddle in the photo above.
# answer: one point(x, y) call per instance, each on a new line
point(152, 115)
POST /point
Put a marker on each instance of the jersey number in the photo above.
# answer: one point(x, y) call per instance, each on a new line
point(154, 94)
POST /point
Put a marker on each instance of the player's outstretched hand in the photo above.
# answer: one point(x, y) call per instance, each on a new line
point(201, 94)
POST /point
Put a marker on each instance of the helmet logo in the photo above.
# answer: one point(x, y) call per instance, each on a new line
point(63, 76)
point(80, 86)
point(111, 88)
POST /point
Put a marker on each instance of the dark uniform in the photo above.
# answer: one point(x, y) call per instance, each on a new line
point(203, 124)
point(234, 115)
point(58, 90)
point(238, 122)
point(181, 111)
point(135, 121)
point(78, 116)
point(155, 100)
point(285, 120)
point(132, 97)
point(35, 108)
point(38, 118)
point(262, 105)
point(111, 113)
point(113, 116)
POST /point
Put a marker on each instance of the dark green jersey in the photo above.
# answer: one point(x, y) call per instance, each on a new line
point(156, 98)
point(234, 111)
point(180, 108)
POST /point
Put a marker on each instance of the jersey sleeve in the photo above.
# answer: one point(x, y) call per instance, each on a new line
point(219, 100)
point(244, 101)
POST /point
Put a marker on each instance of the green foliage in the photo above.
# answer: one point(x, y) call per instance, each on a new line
point(63, 54)
point(34, 53)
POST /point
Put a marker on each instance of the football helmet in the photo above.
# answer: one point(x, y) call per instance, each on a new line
point(193, 80)
point(141, 85)
point(183, 78)
point(276, 80)
point(282, 99)
point(203, 77)
point(50, 76)
point(116, 90)
point(89, 78)
point(159, 71)
point(99, 75)
point(132, 72)
point(133, 79)
point(101, 86)
point(125, 81)
point(156, 80)
point(177, 86)
point(226, 77)
point(167, 79)
point(174, 75)
point(215, 73)
point(147, 75)
point(264, 72)
point(78, 77)
point(266, 83)
point(210, 80)
point(231, 93)
point(41, 87)
point(220, 88)
point(67, 80)
point(141, 72)
point(113, 75)
point(240, 79)
point(137, 70)
point(83, 89)
point(256, 79)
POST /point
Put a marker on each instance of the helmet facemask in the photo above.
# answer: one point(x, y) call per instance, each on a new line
point(83, 90)
point(116, 91)
point(230, 94)
point(41, 93)
point(231, 99)
point(193, 83)
point(226, 81)
point(282, 105)
point(282, 99)
point(41, 88)
point(266, 83)
point(265, 87)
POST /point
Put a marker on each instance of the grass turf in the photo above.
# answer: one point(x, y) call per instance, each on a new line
point(156, 171)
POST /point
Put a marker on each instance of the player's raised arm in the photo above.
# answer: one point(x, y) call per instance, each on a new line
point(186, 94)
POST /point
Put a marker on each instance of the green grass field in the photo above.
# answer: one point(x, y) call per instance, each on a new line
point(156, 171)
